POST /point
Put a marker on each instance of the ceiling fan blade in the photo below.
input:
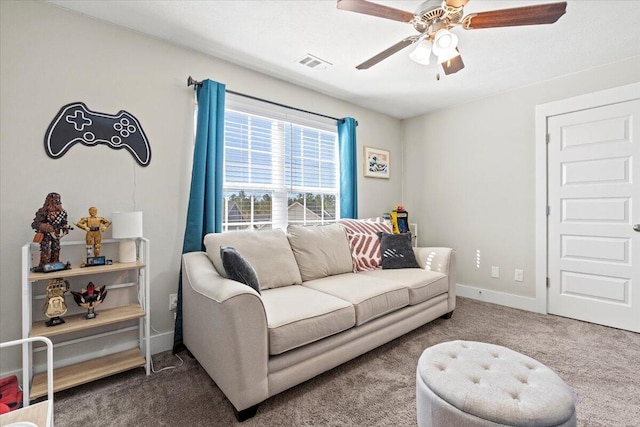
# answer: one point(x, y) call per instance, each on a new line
point(528, 15)
point(388, 52)
point(456, 3)
point(374, 9)
point(453, 65)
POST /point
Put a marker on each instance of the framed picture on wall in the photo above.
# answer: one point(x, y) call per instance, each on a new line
point(376, 162)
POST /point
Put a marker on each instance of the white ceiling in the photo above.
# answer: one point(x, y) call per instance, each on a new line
point(271, 36)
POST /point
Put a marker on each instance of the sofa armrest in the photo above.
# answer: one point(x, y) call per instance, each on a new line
point(225, 328)
point(442, 260)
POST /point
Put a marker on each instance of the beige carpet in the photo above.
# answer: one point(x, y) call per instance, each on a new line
point(377, 389)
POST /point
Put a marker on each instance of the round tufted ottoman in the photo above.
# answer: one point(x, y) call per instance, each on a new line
point(466, 383)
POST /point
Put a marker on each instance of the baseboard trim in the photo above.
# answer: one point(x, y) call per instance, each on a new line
point(495, 297)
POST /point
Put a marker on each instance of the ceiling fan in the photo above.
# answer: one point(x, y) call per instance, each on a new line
point(434, 18)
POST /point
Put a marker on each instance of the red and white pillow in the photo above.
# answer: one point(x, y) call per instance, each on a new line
point(364, 241)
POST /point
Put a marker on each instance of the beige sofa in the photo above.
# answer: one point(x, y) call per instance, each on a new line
point(312, 314)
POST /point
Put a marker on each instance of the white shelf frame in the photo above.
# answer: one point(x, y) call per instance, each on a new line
point(143, 283)
point(28, 412)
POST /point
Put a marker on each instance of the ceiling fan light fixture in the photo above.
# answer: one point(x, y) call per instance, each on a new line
point(444, 41)
point(422, 52)
point(448, 55)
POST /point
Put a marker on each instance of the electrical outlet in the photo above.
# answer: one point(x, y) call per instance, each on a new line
point(495, 272)
point(518, 275)
point(173, 301)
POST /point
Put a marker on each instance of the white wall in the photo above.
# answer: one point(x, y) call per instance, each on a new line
point(51, 57)
point(469, 179)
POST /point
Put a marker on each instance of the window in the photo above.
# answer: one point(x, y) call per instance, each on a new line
point(280, 167)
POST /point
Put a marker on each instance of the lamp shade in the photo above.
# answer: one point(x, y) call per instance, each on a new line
point(444, 43)
point(422, 52)
point(127, 226)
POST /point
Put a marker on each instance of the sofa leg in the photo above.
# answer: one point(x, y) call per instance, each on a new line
point(447, 315)
point(245, 414)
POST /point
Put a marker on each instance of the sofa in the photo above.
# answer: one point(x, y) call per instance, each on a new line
point(315, 307)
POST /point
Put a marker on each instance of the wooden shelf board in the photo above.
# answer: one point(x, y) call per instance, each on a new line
point(77, 322)
point(36, 413)
point(76, 270)
point(91, 370)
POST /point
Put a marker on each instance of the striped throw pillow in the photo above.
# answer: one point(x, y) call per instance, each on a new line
point(364, 241)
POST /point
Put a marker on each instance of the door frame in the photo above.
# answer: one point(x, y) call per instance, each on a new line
point(543, 112)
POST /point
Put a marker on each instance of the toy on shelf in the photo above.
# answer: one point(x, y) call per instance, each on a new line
point(90, 298)
point(94, 226)
point(50, 225)
point(400, 220)
point(55, 306)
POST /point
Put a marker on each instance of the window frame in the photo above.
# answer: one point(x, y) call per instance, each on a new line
point(280, 196)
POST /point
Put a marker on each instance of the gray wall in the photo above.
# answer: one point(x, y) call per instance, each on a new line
point(469, 177)
point(51, 57)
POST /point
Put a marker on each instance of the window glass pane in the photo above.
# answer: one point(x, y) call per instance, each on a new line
point(262, 207)
point(235, 169)
point(245, 210)
point(313, 203)
point(295, 208)
point(311, 175)
point(330, 207)
point(327, 146)
point(295, 143)
point(327, 175)
point(271, 166)
point(237, 205)
point(235, 129)
point(261, 134)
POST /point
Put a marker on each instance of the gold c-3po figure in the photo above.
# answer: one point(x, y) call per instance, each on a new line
point(94, 226)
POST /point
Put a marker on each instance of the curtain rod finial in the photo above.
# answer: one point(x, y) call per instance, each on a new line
point(192, 82)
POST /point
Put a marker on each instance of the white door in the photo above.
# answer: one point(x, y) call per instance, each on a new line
point(594, 202)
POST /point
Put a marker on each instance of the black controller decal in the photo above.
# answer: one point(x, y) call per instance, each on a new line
point(76, 123)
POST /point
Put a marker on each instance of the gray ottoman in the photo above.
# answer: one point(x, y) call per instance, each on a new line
point(466, 383)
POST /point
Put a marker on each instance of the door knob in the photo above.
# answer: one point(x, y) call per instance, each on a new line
point(636, 227)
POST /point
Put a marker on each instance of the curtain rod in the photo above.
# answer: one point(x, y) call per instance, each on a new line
point(195, 84)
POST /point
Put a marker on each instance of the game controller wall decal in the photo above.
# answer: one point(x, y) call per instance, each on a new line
point(75, 123)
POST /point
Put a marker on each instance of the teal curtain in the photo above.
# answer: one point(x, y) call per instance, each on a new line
point(348, 168)
point(204, 214)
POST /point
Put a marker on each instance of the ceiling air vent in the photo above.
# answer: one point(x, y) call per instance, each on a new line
point(314, 62)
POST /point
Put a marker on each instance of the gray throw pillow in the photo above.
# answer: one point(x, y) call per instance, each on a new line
point(396, 251)
point(238, 268)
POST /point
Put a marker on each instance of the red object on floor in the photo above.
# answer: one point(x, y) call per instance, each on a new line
point(10, 394)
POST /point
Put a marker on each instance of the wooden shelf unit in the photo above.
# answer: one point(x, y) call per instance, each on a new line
point(91, 370)
point(78, 322)
point(76, 270)
point(112, 319)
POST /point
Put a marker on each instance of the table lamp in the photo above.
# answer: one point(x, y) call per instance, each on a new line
point(127, 227)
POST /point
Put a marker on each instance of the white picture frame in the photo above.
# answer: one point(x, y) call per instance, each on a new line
point(376, 163)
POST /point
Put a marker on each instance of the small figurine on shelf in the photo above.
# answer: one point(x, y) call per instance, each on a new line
point(55, 305)
point(94, 226)
point(90, 298)
point(50, 225)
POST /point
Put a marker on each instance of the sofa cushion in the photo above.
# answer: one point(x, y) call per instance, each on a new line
point(298, 315)
point(364, 241)
point(396, 251)
point(421, 284)
point(372, 297)
point(238, 269)
point(320, 251)
point(258, 248)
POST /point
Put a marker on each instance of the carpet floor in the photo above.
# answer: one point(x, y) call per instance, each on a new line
point(601, 364)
